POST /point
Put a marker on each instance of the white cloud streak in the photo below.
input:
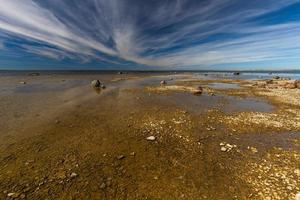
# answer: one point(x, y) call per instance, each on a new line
point(170, 34)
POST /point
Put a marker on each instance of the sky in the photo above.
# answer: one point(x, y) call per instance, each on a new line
point(150, 34)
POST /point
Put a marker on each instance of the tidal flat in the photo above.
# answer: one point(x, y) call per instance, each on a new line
point(136, 138)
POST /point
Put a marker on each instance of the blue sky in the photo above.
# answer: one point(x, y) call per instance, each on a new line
point(150, 34)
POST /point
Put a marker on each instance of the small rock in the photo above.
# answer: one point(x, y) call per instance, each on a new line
point(297, 196)
point(23, 82)
point(120, 157)
point(199, 90)
point(276, 77)
point(289, 188)
point(163, 82)
point(151, 138)
point(34, 74)
point(290, 85)
point(236, 73)
point(132, 153)
point(223, 149)
point(22, 196)
point(73, 175)
point(269, 81)
point(102, 186)
point(13, 195)
point(253, 149)
point(297, 172)
point(97, 84)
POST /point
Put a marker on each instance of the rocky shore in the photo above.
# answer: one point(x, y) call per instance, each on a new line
point(149, 136)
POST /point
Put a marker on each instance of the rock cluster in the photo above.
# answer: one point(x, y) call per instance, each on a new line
point(278, 83)
point(226, 147)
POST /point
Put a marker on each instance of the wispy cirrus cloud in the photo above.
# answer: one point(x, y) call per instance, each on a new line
point(177, 33)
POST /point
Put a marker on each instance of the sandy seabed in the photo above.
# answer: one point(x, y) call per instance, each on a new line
point(136, 139)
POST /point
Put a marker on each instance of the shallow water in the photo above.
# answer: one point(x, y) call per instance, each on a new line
point(224, 86)
point(246, 75)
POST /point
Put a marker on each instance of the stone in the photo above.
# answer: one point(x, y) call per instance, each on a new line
point(297, 83)
point(253, 149)
point(132, 153)
point(102, 186)
point(97, 84)
point(236, 73)
point(297, 197)
point(73, 175)
point(34, 74)
point(290, 85)
point(163, 82)
point(276, 77)
point(151, 138)
point(199, 90)
point(269, 81)
point(223, 149)
point(23, 82)
point(13, 194)
point(120, 157)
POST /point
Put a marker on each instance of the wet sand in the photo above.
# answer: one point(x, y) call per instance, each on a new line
point(62, 139)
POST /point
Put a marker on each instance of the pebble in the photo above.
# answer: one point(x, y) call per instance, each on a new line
point(120, 157)
point(102, 186)
point(23, 82)
point(73, 175)
point(13, 195)
point(297, 196)
point(163, 82)
point(223, 149)
point(151, 138)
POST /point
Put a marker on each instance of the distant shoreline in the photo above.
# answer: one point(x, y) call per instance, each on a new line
point(150, 71)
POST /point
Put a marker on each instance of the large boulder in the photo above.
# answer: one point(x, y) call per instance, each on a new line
point(97, 84)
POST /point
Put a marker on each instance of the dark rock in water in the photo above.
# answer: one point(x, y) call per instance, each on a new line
point(97, 84)
point(34, 74)
point(276, 77)
point(120, 72)
point(199, 90)
point(236, 73)
point(163, 82)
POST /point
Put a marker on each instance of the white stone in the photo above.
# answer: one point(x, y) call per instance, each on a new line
point(223, 149)
point(151, 138)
